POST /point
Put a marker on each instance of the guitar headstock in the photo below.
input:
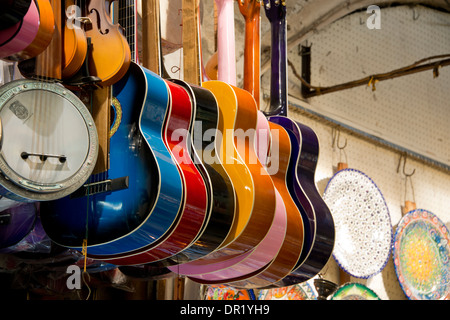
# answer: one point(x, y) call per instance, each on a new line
point(275, 9)
point(249, 8)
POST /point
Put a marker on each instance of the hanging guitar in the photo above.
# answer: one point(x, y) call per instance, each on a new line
point(19, 36)
point(135, 203)
point(289, 250)
point(13, 12)
point(318, 221)
point(43, 36)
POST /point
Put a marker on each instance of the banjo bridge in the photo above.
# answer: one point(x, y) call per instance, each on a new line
point(43, 157)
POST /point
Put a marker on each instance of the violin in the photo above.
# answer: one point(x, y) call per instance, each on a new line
point(110, 56)
point(75, 41)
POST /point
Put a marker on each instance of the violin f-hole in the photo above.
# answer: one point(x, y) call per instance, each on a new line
point(99, 24)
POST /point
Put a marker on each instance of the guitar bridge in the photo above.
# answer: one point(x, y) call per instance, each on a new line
point(101, 187)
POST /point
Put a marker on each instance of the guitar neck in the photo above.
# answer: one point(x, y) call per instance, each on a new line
point(252, 55)
point(191, 42)
point(278, 82)
point(226, 42)
point(127, 18)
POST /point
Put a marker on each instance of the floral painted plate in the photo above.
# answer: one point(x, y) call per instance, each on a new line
point(222, 292)
point(362, 221)
point(354, 291)
point(421, 256)
point(301, 291)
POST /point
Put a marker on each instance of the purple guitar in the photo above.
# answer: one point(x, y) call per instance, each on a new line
point(16, 223)
point(318, 221)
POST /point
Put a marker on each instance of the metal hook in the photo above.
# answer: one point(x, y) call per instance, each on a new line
point(336, 134)
point(414, 15)
point(407, 177)
point(404, 165)
point(338, 139)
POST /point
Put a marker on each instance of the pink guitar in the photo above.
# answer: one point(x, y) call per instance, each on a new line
point(246, 264)
point(18, 37)
point(226, 68)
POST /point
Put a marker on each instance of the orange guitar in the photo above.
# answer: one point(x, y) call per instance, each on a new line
point(280, 150)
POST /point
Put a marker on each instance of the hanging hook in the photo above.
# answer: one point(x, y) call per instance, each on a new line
point(403, 155)
point(408, 204)
point(337, 139)
point(338, 142)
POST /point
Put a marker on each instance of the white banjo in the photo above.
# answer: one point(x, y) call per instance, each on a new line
point(48, 141)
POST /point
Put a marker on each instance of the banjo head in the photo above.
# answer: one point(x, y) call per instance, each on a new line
point(49, 143)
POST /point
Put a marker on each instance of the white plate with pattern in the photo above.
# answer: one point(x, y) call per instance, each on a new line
point(363, 224)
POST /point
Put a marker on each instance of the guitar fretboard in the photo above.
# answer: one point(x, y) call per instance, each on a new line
point(127, 19)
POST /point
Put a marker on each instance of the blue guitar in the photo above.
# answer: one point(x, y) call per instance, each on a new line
point(134, 203)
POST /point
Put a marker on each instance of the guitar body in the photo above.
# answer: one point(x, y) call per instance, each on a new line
point(319, 224)
point(254, 189)
point(195, 210)
point(43, 36)
point(259, 227)
point(205, 136)
point(16, 223)
point(13, 12)
point(219, 186)
point(19, 36)
point(135, 202)
point(289, 254)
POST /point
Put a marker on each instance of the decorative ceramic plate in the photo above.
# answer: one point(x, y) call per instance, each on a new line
point(302, 291)
point(354, 291)
point(363, 224)
point(421, 256)
point(222, 292)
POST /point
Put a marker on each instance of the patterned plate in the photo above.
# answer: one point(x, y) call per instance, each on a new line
point(222, 292)
point(362, 221)
point(354, 291)
point(421, 256)
point(302, 291)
